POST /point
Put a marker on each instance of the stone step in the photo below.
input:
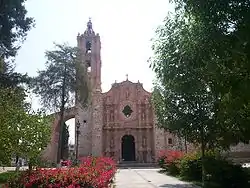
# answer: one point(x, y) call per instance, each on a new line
point(133, 164)
point(240, 160)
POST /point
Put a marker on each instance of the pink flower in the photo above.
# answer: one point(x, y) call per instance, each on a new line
point(93, 171)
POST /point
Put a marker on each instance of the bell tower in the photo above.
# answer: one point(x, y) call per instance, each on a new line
point(90, 45)
point(90, 141)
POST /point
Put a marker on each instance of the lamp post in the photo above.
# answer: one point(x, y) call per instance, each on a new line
point(77, 136)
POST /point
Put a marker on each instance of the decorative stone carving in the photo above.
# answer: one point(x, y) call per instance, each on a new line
point(127, 94)
point(144, 142)
point(143, 115)
point(112, 143)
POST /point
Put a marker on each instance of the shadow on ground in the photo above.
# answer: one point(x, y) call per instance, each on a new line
point(178, 186)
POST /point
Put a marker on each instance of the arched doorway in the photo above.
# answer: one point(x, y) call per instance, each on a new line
point(69, 151)
point(128, 148)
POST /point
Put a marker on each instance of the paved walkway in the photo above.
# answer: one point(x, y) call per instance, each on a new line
point(147, 178)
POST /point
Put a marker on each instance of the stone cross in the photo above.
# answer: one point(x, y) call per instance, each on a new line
point(126, 76)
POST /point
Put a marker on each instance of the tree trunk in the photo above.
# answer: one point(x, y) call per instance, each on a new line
point(61, 122)
point(203, 145)
point(185, 143)
point(30, 166)
point(17, 163)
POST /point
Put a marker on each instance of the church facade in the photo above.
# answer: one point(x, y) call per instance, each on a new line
point(119, 123)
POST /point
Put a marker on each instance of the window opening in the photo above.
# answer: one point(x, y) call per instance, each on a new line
point(127, 111)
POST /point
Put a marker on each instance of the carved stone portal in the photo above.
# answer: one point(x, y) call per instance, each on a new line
point(133, 133)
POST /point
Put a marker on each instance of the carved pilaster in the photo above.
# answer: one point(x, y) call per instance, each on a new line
point(149, 141)
point(147, 114)
point(107, 139)
point(115, 115)
point(107, 115)
point(148, 138)
point(112, 142)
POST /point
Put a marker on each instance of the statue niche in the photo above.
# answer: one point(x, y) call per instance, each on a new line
point(144, 142)
point(111, 115)
point(112, 144)
point(127, 94)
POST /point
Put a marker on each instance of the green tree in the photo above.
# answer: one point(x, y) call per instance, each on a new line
point(36, 132)
point(14, 26)
point(10, 78)
point(22, 132)
point(65, 141)
point(227, 27)
point(57, 84)
point(201, 62)
point(10, 104)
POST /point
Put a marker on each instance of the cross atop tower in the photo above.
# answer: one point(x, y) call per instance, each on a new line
point(89, 24)
point(89, 29)
point(126, 76)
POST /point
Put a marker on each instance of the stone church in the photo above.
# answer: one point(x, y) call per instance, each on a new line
point(119, 123)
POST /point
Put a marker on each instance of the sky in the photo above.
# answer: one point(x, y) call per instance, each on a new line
point(126, 28)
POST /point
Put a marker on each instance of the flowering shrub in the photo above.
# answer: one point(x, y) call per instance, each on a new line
point(169, 156)
point(169, 160)
point(219, 171)
point(66, 163)
point(93, 172)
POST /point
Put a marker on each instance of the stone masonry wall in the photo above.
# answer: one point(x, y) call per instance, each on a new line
point(97, 124)
point(83, 117)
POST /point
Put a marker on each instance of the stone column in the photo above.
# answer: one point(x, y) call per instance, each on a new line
point(111, 141)
point(147, 113)
point(83, 117)
point(107, 116)
point(115, 115)
point(97, 117)
point(107, 138)
point(149, 145)
point(159, 139)
point(116, 144)
point(118, 141)
point(148, 135)
point(139, 137)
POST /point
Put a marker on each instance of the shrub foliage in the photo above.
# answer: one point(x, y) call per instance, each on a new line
point(92, 172)
point(220, 173)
